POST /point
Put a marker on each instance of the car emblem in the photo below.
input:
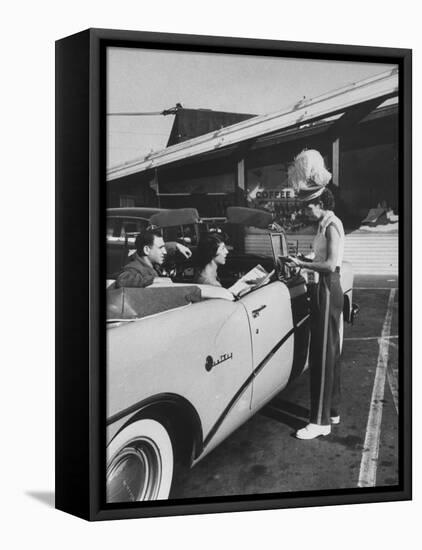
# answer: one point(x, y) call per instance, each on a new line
point(210, 363)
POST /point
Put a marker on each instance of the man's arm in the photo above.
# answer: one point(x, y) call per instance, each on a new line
point(174, 247)
point(176, 253)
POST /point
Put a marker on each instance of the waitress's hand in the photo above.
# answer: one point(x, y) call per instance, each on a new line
point(295, 260)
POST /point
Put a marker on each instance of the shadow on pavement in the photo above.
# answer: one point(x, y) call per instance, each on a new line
point(287, 413)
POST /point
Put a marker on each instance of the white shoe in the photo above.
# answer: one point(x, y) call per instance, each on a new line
point(335, 419)
point(313, 430)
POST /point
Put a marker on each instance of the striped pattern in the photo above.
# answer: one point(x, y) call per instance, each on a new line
point(325, 343)
point(369, 253)
point(326, 306)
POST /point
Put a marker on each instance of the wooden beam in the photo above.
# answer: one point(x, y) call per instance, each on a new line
point(241, 176)
point(336, 162)
point(241, 182)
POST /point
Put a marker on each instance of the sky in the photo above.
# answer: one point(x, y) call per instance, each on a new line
point(140, 80)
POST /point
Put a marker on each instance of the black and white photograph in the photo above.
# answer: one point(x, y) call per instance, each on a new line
point(211, 288)
point(252, 234)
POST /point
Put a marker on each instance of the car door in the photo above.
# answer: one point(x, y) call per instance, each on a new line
point(201, 352)
point(271, 325)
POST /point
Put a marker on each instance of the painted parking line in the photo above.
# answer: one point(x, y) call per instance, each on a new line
point(392, 378)
point(392, 375)
point(371, 338)
point(369, 461)
point(374, 288)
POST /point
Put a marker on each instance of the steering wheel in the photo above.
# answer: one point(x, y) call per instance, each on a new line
point(183, 269)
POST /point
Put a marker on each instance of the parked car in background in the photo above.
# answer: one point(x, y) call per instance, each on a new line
point(183, 373)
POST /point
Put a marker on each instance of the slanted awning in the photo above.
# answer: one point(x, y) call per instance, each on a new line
point(379, 87)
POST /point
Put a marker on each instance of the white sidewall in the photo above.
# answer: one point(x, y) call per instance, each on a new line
point(148, 429)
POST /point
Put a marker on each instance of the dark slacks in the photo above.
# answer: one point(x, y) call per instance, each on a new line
point(324, 359)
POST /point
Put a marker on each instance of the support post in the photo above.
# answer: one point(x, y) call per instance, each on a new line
point(241, 183)
point(336, 162)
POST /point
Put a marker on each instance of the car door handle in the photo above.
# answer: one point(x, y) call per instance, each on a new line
point(257, 311)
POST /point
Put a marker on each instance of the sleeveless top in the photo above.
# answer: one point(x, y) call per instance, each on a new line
point(320, 240)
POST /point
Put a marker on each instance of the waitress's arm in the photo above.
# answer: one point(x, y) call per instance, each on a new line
point(333, 245)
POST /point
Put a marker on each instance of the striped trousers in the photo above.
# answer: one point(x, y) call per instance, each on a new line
point(324, 357)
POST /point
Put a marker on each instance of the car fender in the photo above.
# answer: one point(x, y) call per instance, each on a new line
point(178, 415)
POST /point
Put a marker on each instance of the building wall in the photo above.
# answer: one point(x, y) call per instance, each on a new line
point(139, 187)
point(369, 176)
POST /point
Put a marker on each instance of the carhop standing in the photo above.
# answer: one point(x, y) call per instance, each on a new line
point(310, 177)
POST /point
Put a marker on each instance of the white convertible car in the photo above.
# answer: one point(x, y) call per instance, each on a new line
point(184, 372)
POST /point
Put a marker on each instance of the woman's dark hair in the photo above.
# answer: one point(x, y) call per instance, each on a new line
point(326, 199)
point(207, 248)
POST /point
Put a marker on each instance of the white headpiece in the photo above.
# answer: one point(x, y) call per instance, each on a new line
point(308, 172)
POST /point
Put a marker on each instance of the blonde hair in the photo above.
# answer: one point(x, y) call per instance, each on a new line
point(308, 165)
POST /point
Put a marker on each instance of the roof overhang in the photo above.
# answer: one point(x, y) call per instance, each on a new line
point(375, 89)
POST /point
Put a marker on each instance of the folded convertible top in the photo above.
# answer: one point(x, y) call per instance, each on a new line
point(134, 303)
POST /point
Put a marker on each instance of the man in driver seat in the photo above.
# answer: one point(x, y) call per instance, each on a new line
point(147, 262)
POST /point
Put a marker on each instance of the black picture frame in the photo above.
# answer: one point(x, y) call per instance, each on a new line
point(80, 266)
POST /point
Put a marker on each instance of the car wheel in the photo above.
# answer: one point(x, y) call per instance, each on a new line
point(140, 463)
point(341, 332)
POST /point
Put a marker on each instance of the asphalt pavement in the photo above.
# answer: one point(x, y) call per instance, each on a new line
point(263, 456)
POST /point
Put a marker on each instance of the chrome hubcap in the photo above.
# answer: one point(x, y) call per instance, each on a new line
point(134, 473)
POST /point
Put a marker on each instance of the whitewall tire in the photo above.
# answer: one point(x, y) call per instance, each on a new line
point(140, 463)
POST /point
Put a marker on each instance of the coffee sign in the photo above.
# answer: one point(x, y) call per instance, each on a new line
point(275, 195)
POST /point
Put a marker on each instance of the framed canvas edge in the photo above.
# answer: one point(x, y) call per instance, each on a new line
point(72, 365)
point(91, 505)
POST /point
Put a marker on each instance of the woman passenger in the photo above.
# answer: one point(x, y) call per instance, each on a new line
point(210, 254)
